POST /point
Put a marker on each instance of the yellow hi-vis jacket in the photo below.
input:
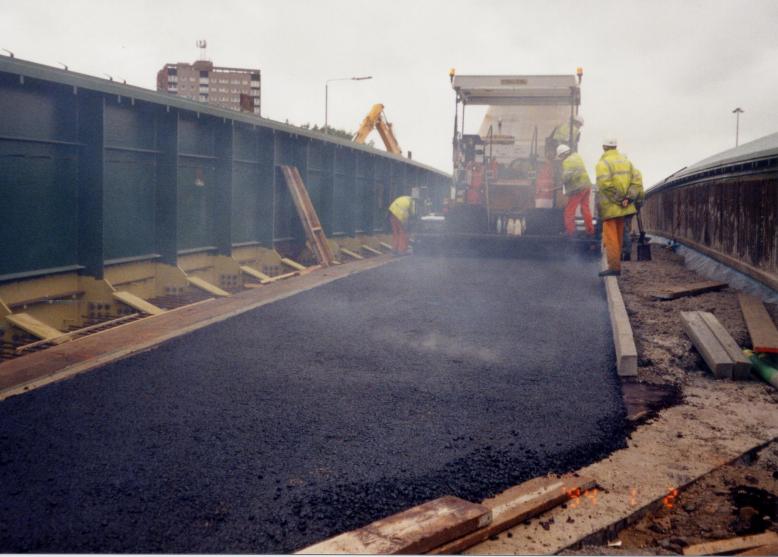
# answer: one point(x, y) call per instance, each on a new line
point(614, 177)
point(561, 133)
point(574, 174)
point(404, 207)
point(636, 191)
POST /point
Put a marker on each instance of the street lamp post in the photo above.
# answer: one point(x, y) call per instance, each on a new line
point(737, 112)
point(327, 95)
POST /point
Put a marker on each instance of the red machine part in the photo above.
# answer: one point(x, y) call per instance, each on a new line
point(544, 186)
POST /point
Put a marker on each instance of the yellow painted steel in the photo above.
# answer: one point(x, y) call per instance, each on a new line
point(386, 246)
point(371, 250)
point(293, 264)
point(206, 286)
point(137, 302)
point(35, 327)
point(377, 119)
point(351, 254)
point(259, 275)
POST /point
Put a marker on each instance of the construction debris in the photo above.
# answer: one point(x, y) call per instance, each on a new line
point(732, 545)
point(518, 504)
point(764, 335)
point(416, 530)
point(717, 347)
point(689, 290)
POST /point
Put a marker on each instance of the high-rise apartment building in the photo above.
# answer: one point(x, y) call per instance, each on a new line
point(234, 88)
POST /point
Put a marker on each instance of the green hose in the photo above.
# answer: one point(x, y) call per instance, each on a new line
point(763, 368)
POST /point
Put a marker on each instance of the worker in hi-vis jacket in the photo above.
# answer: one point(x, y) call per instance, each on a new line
point(614, 177)
point(401, 211)
point(577, 188)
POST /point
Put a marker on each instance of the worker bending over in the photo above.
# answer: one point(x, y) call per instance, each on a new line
point(638, 195)
point(614, 177)
point(401, 211)
point(577, 187)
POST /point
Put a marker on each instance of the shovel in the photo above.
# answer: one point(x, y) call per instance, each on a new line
point(644, 247)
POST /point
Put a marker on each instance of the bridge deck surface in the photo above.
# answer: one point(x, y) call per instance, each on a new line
point(319, 413)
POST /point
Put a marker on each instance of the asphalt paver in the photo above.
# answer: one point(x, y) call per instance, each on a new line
point(319, 413)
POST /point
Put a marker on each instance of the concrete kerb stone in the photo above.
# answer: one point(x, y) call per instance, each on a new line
point(623, 338)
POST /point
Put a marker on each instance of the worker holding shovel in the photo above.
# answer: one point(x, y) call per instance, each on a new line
point(637, 194)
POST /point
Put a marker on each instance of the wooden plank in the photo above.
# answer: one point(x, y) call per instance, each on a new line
point(764, 335)
point(416, 530)
point(350, 253)
point(770, 549)
point(707, 344)
point(731, 545)
point(623, 339)
point(385, 246)
point(35, 327)
point(293, 264)
point(690, 290)
point(741, 365)
point(206, 286)
point(308, 216)
point(517, 504)
point(136, 302)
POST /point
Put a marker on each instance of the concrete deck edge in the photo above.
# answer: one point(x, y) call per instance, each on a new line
point(277, 291)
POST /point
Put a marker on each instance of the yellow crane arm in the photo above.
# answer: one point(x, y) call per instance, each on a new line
point(376, 119)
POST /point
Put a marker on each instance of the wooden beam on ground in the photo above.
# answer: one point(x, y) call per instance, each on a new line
point(207, 287)
point(690, 290)
point(36, 327)
point(623, 339)
point(731, 545)
point(518, 504)
point(416, 530)
point(136, 302)
point(368, 249)
point(351, 254)
point(761, 329)
point(293, 264)
point(385, 246)
point(741, 368)
point(707, 344)
point(770, 549)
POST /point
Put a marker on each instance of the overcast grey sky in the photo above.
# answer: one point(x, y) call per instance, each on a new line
point(662, 76)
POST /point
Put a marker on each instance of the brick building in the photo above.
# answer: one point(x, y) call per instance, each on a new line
point(234, 88)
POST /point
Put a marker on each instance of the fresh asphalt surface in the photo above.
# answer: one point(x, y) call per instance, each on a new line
point(319, 413)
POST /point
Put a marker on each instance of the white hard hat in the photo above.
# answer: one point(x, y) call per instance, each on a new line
point(562, 150)
point(578, 119)
point(610, 141)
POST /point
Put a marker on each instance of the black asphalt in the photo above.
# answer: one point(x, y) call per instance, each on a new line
point(319, 413)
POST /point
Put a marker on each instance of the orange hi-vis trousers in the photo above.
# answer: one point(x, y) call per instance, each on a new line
point(399, 235)
point(612, 237)
point(578, 198)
